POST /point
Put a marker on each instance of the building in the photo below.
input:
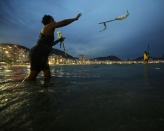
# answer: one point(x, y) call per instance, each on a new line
point(14, 54)
point(82, 59)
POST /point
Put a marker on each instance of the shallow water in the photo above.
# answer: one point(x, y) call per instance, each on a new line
point(84, 98)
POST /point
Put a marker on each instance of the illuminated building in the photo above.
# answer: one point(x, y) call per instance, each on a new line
point(14, 54)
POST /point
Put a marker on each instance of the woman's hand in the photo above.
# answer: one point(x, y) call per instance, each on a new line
point(58, 40)
point(77, 17)
point(62, 39)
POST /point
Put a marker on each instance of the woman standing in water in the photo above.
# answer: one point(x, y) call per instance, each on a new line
point(40, 52)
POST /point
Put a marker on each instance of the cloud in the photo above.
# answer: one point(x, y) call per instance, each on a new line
point(20, 21)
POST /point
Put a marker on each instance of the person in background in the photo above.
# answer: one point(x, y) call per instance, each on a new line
point(146, 57)
point(40, 52)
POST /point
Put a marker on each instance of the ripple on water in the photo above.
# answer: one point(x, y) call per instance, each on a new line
point(94, 97)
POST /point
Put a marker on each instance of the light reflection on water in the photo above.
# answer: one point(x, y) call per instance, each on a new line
point(76, 72)
point(91, 97)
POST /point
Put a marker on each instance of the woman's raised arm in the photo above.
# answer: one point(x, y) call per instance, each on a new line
point(64, 22)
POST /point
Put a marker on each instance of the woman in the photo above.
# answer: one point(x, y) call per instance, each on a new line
point(40, 52)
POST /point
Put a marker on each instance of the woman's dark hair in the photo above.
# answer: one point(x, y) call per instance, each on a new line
point(46, 19)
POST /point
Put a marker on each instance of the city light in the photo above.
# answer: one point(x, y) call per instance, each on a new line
point(6, 52)
point(14, 54)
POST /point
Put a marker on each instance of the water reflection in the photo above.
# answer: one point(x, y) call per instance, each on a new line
point(79, 96)
point(12, 74)
point(75, 72)
point(29, 106)
point(147, 74)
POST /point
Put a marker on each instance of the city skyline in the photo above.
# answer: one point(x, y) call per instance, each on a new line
point(126, 39)
point(13, 51)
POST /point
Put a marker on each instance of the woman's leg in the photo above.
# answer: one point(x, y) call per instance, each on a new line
point(34, 69)
point(32, 75)
point(47, 74)
point(46, 70)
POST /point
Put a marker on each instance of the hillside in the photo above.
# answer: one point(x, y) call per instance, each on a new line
point(114, 58)
point(12, 45)
point(61, 53)
point(54, 51)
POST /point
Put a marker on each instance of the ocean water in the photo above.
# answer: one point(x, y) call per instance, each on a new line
point(117, 97)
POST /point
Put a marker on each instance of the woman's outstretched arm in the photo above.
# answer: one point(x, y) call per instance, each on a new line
point(65, 22)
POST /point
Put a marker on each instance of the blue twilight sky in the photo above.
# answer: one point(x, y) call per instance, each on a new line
point(20, 22)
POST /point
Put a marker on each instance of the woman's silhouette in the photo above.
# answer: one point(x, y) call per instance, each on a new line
point(40, 52)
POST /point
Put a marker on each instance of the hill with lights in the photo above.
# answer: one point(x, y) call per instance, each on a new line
point(18, 48)
point(9, 45)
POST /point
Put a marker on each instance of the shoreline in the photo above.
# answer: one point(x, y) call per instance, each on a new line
point(95, 63)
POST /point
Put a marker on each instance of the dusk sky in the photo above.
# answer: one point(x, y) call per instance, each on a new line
point(20, 23)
